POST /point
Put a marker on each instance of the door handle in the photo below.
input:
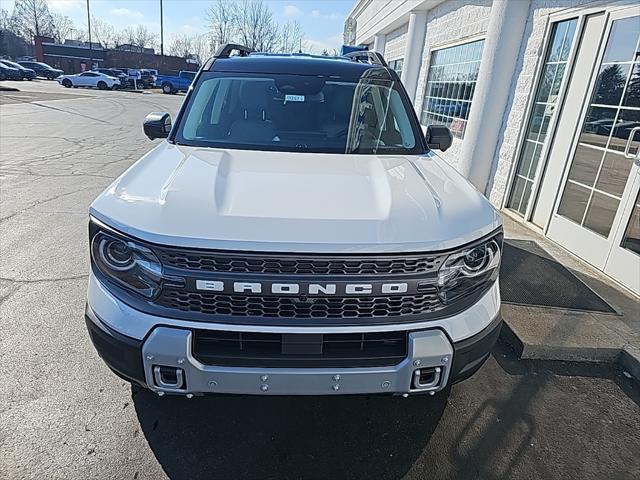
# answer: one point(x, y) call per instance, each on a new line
point(627, 147)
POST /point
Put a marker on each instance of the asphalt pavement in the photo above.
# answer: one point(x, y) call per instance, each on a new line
point(64, 415)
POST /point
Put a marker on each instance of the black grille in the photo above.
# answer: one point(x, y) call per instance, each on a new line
point(299, 265)
point(288, 307)
point(249, 349)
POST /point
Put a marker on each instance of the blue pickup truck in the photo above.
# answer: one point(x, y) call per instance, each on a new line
point(171, 84)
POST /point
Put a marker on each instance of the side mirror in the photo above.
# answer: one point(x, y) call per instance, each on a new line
point(157, 125)
point(439, 137)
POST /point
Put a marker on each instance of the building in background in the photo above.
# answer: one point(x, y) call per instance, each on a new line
point(75, 56)
point(543, 99)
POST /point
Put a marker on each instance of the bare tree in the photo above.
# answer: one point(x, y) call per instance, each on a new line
point(5, 20)
point(32, 18)
point(290, 37)
point(105, 34)
point(257, 27)
point(223, 22)
point(62, 27)
point(180, 45)
point(196, 47)
point(140, 37)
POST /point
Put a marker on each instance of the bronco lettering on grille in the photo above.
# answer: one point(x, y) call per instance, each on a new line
point(320, 289)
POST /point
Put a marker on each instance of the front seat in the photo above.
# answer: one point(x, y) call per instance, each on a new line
point(255, 126)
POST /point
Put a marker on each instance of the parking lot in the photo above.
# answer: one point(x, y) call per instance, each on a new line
point(64, 415)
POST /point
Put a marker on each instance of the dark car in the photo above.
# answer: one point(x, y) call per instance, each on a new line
point(27, 73)
point(119, 74)
point(42, 69)
point(9, 73)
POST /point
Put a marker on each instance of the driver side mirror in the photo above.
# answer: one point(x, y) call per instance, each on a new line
point(157, 125)
point(439, 137)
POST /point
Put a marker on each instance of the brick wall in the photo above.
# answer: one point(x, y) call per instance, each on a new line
point(395, 44)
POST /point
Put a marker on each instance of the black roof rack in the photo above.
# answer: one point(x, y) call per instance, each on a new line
point(373, 58)
point(224, 51)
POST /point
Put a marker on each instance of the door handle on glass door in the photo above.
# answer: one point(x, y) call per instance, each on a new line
point(627, 147)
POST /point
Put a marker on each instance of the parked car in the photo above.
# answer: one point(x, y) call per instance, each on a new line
point(295, 233)
point(89, 79)
point(27, 73)
point(112, 72)
point(171, 84)
point(9, 73)
point(42, 69)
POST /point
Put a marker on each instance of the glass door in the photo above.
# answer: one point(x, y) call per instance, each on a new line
point(595, 210)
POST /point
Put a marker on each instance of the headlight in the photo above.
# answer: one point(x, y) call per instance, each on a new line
point(468, 270)
point(132, 266)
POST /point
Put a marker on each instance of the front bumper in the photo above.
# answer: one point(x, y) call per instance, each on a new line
point(169, 348)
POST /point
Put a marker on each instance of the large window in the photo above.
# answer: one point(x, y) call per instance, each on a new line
point(544, 108)
point(451, 82)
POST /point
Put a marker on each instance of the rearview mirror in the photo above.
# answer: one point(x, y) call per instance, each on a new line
point(157, 125)
point(439, 137)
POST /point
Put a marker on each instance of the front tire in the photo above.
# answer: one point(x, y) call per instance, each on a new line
point(67, 83)
point(167, 88)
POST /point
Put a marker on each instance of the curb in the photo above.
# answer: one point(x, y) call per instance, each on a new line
point(627, 358)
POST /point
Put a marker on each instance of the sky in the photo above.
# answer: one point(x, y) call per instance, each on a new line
point(321, 20)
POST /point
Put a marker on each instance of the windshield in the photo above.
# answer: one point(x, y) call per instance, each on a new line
point(299, 113)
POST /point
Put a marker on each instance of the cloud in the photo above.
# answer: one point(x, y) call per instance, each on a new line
point(125, 12)
point(324, 16)
point(292, 11)
point(66, 5)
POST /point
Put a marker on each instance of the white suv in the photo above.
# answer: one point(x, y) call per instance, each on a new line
point(294, 234)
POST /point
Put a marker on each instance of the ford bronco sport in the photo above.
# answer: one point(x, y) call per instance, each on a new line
point(294, 234)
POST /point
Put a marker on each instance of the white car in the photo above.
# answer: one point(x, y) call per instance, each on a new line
point(294, 234)
point(89, 79)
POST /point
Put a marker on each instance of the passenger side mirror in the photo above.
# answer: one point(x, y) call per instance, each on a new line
point(157, 125)
point(439, 137)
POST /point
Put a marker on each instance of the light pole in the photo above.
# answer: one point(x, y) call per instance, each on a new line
point(161, 33)
point(89, 28)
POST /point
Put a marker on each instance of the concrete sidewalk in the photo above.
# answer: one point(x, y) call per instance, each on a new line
point(557, 334)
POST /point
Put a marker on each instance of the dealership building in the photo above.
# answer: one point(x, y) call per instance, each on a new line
point(543, 100)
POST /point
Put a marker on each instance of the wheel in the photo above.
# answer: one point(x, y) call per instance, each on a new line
point(102, 85)
point(67, 83)
point(167, 88)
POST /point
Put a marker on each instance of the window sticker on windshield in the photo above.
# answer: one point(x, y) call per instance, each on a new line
point(293, 98)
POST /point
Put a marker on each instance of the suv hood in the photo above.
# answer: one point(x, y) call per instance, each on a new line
point(295, 202)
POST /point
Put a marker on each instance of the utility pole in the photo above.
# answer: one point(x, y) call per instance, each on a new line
point(89, 28)
point(161, 33)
